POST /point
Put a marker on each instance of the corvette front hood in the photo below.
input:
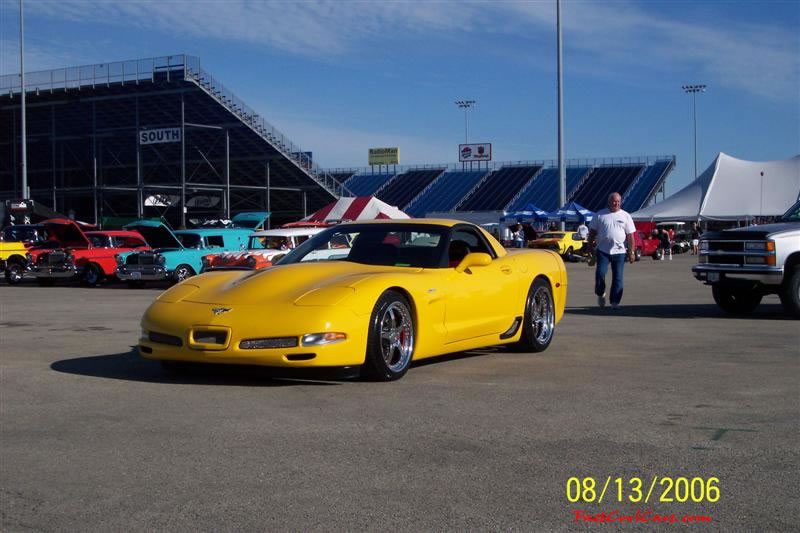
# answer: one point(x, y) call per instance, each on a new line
point(277, 285)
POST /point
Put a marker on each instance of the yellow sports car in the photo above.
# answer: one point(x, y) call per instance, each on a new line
point(565, 243)
point(405, 290)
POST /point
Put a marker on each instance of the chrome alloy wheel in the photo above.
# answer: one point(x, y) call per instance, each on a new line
point(397, 336)
point(542, 315)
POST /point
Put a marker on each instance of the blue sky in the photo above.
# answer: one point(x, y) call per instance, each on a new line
point(340, 77)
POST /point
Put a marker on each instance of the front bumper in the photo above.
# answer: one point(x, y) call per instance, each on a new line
point(715, 273)
point(180, 322)
point(142, 272)
point(55, 271)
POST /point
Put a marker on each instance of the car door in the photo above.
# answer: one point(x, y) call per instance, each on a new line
point(479, 301)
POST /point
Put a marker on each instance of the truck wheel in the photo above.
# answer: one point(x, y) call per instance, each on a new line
point(181, 273)
point(92, 275)
point(638, 254)
point(14, 273)
point(790, 293)
point(736, 300)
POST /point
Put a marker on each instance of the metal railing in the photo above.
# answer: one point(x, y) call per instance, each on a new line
point(171, 67)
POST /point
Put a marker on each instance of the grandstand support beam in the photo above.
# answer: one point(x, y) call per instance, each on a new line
point(183, 161)
point(139, 192)
point(562, 171)
point(269, 208)
point(94, 161)
point(53, 150)
point(227, 175)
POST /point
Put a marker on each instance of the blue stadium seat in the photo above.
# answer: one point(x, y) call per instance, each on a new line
point(643, 189)
point(404, 187)
point(543, 190)
point(445, 193)
point(367, 184)
point(593, 193)
point(499, 188)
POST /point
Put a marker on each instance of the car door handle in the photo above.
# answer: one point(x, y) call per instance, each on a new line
point(505, 270)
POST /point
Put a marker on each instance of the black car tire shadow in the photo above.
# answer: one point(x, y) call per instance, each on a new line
point(130, 366)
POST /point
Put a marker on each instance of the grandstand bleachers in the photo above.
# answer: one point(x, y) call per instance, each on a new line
point(498, 189)
point(543, 190)
point(642, 190)
point(594, 190)
point(342, 176)
point(404, 187)
point(367, 184)
point(445, 193)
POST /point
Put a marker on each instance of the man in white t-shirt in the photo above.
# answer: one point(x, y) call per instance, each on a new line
point(583, 231)
point(608, 231)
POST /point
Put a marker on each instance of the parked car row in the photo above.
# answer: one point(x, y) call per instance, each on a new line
point(145, 250)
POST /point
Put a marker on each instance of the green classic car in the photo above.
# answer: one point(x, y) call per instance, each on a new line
point(178, 255)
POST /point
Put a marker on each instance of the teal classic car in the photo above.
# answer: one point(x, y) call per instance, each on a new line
point(177, 255)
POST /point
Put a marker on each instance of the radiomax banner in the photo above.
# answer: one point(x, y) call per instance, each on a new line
point(384, 156)
point(160, 135)
point(475, 152)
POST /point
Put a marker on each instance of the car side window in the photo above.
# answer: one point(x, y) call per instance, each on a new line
point(472, 240)
point(215, 241)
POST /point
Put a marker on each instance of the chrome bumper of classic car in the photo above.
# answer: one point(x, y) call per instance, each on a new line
point(714, 273)
point(142, 272)
point(55, 271)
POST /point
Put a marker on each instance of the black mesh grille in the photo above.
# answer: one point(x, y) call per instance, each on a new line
point(730, 246)
point(209, 337)
point(163, 338)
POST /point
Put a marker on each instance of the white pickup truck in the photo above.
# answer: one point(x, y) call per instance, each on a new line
point(744, 264)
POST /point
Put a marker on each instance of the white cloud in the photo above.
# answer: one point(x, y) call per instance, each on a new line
point(601, 37)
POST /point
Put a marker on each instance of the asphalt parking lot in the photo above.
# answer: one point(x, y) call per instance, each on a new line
point(94, 438)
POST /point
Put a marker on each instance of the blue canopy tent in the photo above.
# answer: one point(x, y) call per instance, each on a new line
point(572, 212)
point(528, 213)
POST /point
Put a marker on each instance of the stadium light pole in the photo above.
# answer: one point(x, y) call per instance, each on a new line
point(465, 104)
point(24, 165)
point(693, 90)
point(562, 172)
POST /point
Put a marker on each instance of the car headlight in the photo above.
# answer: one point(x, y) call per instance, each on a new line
point(704, 245)
point(329, 337)
point(160, 259)
point(755, 246)
point(251, 261)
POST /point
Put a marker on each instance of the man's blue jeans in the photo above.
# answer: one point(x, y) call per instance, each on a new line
point(617, 264)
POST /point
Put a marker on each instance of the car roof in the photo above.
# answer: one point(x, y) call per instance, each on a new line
point(413, 221)
point(213, 231)
point(116, 233)
point(287, 232)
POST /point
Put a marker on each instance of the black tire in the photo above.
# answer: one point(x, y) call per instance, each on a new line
point(181, 273)
point(390, 343)
point(638, 254)
point(790, 293)
point(135, 284)
point(538, 324)
point(92, 275)
point(14, 273)
point(45, 282)
point(736, 299)
point(568, 252)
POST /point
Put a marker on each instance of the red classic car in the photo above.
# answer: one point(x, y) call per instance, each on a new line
point(645, 245)
point(88, 256)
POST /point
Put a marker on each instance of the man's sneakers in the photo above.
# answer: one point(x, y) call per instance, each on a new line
point(615, 306)
point(601, 300)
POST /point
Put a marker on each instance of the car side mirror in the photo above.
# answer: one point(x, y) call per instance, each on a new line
point(474, 259)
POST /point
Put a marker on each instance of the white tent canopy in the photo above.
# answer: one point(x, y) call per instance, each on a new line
point(731, 189)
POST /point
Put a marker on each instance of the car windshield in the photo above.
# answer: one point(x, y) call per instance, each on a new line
point(23, 233)
point(100, 241)
point(190, 240)
point(551, 235)
point(793, 214)
point(402, 245)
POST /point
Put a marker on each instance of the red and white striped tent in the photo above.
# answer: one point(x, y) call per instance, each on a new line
point(355, 208)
